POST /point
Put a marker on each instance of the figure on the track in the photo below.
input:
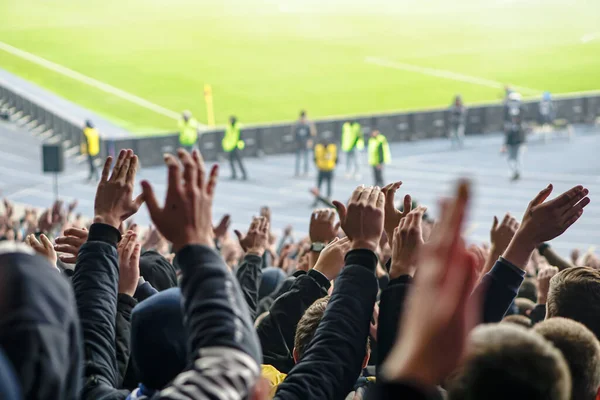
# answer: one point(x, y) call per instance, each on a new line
point(352, 143)
point(326, 158)
point(91, 147)
point(379, 155)
point(233, 146)
point(515, 145)
point(458, 116)
point(303, 132)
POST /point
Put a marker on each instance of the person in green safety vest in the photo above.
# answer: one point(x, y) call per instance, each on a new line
point(233, 145)
point(379, 155)
point(188, 131)
point(352, 143)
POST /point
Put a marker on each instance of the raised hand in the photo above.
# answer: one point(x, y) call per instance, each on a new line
point(501, 234)
point(331, 259)
point(256, 240)
point(322, 228)
point(43, 247)
point(113, 203)
point(129, 263)
point(546, 220)
point(440, 311)
point(406, 244)
point(187, 215)
point(221, 229)
point(393, 216)
point(543, 279)
point(70, 243)
point(362, 221)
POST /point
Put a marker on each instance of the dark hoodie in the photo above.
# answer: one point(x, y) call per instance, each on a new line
point(39, 328)
point(158, 271)
point(157, 324)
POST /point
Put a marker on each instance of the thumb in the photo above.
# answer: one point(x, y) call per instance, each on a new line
point(150, 199)
point(542, 196)
point(341, 209)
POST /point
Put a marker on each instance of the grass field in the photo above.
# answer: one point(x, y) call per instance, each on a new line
point(267, 59)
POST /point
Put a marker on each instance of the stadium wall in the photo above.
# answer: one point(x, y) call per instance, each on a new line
point(271, 139)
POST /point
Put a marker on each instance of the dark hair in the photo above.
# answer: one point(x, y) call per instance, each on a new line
point(89, 123)
point(581, 350)
point(575, 294)
point(524, 305)
point(302, 113)
point(506, 361)
point(528, 289)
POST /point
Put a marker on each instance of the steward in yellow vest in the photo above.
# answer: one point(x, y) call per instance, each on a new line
point(352, 141)
point(233, 145)
point(379, 154)
point(91, 146)
point(188, 130)
point(326, 158)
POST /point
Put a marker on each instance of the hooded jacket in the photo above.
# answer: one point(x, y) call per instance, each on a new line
point(158, 271)
point(39, 328)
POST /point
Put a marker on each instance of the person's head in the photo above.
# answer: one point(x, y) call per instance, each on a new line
point(232, 120)
point(546, 96)
point(524, 305)
point(575, 294)
point(158, 339)
point(272, 277)
point(521, 320)
point(375, 132)
point(158, 271)
point(89, 123)
point(303, 115)
point(528, 289)
point(458, 100)
point(39, 325)
point(506, 361)
point(581, 350)
point(186, 115)
point(307, 327)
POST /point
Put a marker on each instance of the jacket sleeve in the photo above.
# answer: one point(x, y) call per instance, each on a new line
point(224, 347)
point(125, 304)
point(333, 360)
point(95, 284)
point(500, 287)
point(249, 275)
point(538, 314)
point(553, 258)
point(403, 391)
point(278, 329)
point(143, 291)
point(390, 311)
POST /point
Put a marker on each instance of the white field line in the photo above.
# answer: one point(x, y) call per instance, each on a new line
point(440, 73)
point(89, 81)
point(588, 37)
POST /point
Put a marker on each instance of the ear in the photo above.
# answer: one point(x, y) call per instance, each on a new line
point(295, 355)
point(366, 360)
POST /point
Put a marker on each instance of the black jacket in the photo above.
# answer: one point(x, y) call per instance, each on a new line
point(125, 304)
point(39, 328)
point(278, 329)
point(249, 274)
point(218, 322)
point(333, 360)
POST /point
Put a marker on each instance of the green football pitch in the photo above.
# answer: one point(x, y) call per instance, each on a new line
point(140, 62)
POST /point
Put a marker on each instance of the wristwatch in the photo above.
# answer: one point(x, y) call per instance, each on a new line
point(317, 247)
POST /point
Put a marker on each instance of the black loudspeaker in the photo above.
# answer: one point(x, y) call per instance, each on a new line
point(53, 157)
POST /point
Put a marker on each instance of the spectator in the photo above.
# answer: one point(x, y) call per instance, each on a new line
point(188, 130)
point(352, 143)
point(303, 133)
point(326, 159)
point(379, 155)
point(91, 147)
point(233, 146)
point(458, 116)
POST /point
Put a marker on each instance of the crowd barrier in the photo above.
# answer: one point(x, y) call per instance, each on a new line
point(270, 139)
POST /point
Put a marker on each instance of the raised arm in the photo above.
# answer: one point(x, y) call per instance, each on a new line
point(223, 344)
point(335, 356)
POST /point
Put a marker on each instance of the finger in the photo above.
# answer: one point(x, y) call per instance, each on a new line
point(336, 228)
point(541, 196)
point(330, 216)
point(341, 209)
point(118, 165)
point(190, 171)
point(266, 226)
point(132, 170)
point(138, 201)
point(357, 194)
point(255, 223)
point(506, 219)
point(567, 197)
point(407, 204)
point(106, 169)
point(72, 240)
point(174, 174)
point(66, 248)
point(365, 197)
point(135, 255)
point(46, 242)
point(574, 213)
point(575, 199)
point(212, 180)
point(238, 234)
point(199, 160)
point(80, 233)
point(380, 200)
point(390, 193)
point(374, 196)
point(67, 259)
point(416, 223)
point(129, 247)
point(150, 200)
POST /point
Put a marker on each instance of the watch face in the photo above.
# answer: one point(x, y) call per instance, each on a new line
point(317, 246)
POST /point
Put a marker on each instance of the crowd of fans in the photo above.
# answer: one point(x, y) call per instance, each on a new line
point(379, 302)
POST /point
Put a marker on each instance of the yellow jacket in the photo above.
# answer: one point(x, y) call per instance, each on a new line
point(326, 157)
point(273, 376)
point(92, 142)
